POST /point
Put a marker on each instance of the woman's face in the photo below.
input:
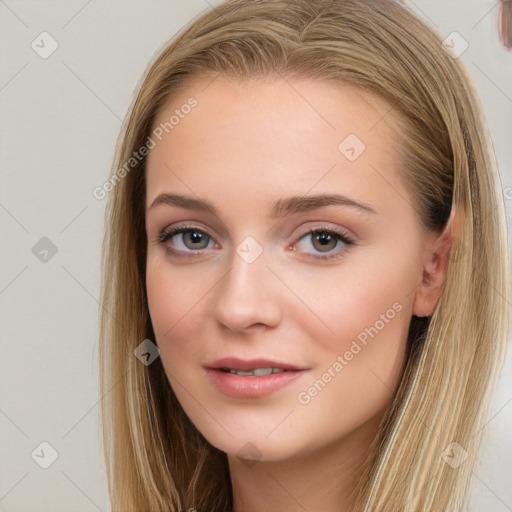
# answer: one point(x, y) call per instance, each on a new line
point(247, 170)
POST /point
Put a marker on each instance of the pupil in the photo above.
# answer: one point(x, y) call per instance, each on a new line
point(195, 237)
point(324, 239)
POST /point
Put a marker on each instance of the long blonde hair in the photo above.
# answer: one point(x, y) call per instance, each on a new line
point(155, 457)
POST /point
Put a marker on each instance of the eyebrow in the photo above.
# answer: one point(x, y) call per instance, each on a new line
point(282, 207)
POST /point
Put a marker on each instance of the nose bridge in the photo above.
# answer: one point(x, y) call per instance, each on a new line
point(248, 294)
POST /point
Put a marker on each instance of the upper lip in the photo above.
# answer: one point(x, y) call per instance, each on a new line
point(235, 363)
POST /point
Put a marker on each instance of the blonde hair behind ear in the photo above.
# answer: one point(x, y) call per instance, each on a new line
point(156, 459)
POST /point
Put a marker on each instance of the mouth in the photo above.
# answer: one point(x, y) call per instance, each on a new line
point(257, 372)
point(256, 378)
point(262, 366)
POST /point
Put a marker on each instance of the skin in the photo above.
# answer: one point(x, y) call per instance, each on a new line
point(244, 146)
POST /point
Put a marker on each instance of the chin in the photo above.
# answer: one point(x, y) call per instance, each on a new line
point(254, 445)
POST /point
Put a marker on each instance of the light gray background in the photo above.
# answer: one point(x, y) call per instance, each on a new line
point(60, 119)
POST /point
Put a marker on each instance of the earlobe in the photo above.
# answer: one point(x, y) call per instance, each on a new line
point(436, 253)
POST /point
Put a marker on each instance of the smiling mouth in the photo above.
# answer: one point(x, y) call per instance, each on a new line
point(257, 372)
point(254, 381)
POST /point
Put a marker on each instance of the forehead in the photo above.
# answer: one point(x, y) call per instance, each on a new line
point(269, 137)
point(335, 104)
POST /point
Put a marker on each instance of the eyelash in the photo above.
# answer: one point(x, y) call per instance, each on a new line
point(168, 233)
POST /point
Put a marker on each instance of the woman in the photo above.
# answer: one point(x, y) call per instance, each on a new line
point(305, 268)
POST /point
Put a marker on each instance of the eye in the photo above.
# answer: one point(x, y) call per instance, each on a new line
point(185, 238)
point(325, 241)
point(190, 239)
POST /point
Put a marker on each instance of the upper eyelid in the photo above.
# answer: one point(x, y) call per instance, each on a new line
point(195, 227)
point(176, 230)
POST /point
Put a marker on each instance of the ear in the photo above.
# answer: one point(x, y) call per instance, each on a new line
point(435, 255)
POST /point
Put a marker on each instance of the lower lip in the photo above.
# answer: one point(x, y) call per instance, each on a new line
point(252, 386)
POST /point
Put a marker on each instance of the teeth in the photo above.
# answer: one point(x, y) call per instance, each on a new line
point(257, 371)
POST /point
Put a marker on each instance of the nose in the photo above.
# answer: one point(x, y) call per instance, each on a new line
point(249, 296)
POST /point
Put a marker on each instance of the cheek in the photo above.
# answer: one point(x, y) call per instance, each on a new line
point(171, 296)
point(179, 300)
point(362, 301)
point(361, 354)
point(358, 367)
point(171, 301)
